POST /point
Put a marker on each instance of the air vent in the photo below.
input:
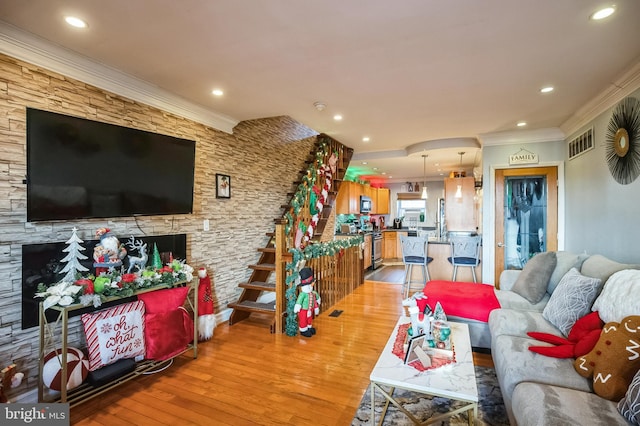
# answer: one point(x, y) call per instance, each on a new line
point(581, 144)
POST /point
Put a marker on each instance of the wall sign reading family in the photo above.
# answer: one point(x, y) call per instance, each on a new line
point(223, 186)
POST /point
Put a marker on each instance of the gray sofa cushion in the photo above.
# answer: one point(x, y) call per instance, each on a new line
point(511, 322)
point(533, 281)
point(510, 300)
point(564, 262)
point(571, 300)
point(598, 266)
point(536, 404)
point(515, 364)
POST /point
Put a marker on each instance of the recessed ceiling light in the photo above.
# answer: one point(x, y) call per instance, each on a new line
point(521, 123)
point(546, 89)
point(217, 92)
point(375, 168)
point(603, 13)
point(365, 163)
point(383, 173)
point(75, 22)
point(337, 117)
point(366, 139)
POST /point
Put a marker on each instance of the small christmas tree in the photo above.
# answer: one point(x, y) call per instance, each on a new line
point(73, 258)
point(156, 262)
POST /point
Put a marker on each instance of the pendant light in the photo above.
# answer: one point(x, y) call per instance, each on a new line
point(425, 194)
point(459, 186)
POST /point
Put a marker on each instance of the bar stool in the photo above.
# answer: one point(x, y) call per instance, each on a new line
point(465, 251)
point(414, 252)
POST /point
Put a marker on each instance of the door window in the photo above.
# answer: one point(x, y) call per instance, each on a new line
point(525, 219)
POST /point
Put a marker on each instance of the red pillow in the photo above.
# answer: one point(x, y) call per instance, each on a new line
point(167, 334)
point(164, 300)
point(168, 326)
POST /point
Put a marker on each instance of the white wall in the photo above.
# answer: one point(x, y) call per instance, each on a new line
point(602, 215)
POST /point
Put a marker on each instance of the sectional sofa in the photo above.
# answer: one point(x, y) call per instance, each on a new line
point(545, 390)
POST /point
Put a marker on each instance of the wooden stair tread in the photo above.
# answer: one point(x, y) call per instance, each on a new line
point(251, 306)
point(267, 249)
point(263, 267)
point(259, 285)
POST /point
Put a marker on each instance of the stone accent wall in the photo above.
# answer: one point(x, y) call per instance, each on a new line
point(262, 157)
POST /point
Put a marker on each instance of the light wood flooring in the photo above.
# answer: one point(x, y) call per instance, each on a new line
point(247, 376)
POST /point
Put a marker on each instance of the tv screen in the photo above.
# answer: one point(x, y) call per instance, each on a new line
point(79, 168)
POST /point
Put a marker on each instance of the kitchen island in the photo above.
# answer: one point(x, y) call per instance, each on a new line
point(439, 249)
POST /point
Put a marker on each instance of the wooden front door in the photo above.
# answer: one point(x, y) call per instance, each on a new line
point(526, 215)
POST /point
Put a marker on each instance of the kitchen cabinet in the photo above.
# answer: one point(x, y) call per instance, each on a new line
point(370, 192)
point(348, 199)
point(388, 245)
point(460, 212)
point(383, 197)
point(368, 239)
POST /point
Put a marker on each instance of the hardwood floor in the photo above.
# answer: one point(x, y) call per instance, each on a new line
point(247, 376)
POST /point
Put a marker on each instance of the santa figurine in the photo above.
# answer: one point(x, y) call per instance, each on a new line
point(206, 319)
point(308, 303)
point(108, 252)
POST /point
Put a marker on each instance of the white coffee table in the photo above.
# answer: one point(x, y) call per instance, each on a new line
point(455, 381)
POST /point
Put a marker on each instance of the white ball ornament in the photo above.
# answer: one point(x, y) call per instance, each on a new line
point(77, 369)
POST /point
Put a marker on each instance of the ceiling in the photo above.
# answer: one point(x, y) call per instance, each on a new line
point(445, 76)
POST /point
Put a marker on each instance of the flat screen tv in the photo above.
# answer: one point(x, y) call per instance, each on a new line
point(79, 168)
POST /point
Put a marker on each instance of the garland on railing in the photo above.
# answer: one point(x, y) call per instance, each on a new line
point(312, 190)
point(300, 257)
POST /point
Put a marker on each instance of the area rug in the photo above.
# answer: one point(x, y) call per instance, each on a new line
point(491, 410)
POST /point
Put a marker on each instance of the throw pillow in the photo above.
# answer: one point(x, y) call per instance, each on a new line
point(167, 334)
point(629, 406)
point(166, 300)
point(571, 300)
point(619, 297)
point(613, 361)
point(564, 262)
point(114, 334)
point(168, 327)
point(534, 278)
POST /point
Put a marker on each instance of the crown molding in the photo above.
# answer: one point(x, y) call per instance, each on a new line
point(624, 86)
point(35, 50)
point(552, 134)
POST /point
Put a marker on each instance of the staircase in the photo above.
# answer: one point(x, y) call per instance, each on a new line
point(261, 272)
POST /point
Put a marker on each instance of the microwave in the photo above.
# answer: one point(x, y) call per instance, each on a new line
point(365, 204)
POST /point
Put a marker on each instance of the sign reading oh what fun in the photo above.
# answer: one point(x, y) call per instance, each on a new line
point(523, 157)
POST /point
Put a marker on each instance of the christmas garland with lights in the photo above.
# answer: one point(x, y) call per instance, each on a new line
point(299, 258)
point(308, 190)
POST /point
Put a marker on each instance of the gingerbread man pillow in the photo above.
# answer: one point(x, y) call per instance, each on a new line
point(614, 360)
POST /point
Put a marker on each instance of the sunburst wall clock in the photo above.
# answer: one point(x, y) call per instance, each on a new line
point(623, 141)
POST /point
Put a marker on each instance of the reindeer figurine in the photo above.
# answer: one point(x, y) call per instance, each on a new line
point(141, 260)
